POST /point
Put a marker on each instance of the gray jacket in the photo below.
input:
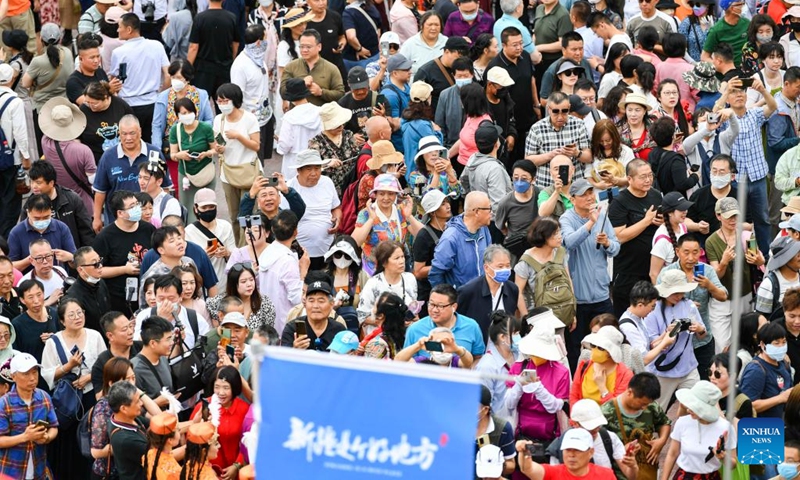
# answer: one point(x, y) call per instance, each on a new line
point(450, 114)
point(484, 173)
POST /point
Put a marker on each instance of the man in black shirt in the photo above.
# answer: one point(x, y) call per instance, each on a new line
point(362, 102)
point(437, 208)
point(126, 432)
point(633, 214)
point(118, 332)
point(89, 288)
point(705, 198)
point(319, 327)
point(213, 44)
point(10, 305)
point(438, 72)
point(330, 26)
point(89, 69)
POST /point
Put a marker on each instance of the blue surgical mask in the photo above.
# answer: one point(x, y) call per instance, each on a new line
point(501, 275)
point(776, 353)
point(41, 225)
point(470, 17)
point(787, 470)
point(135, 213)
point(515, 339)
point(460, 82)
point(699, 11)
point(521, 186)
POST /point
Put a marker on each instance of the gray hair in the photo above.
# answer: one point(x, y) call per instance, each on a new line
point(492, 251)
point(120, 394)
point(129, 120)
point(440, 330)
point(39, 241)
point(509, 6)
point(555, 98)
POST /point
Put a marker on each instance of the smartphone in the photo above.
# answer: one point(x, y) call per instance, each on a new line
point(535, 449)
point(272, 181)
point(131, 289)
point(483, 440)
point(225, 340)
point(385, 49)
point(212, 244)
point(752, 246)
point(694, 168)
point(630, 447)
point(571, 145)
point(434, 346)
point(231, 351)
point(699, 270)
point(380, 100)
point(746, 82)
point(530, 374)
point(74, 350)
point(123, 72)
point(603, 172)
point(220, 139)
point(563, 174)
point(43, 423)
point(194, 155)
point(300, 328)
point(660, 211)
point(608, 194)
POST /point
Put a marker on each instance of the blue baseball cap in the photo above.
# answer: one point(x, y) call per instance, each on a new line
point(344, 342)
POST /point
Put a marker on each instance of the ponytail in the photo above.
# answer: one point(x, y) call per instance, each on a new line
point(53, 54)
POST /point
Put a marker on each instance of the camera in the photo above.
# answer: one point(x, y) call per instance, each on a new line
point(681, 325)
point(154, 162)
point(296, 248)
point(250, 221)
point(149, 11)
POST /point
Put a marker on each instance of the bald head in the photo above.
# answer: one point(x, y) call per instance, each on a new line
point(475, 200)
point(378, 128)
point(559, 161)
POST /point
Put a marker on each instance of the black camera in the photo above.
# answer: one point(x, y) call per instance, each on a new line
point(296, 248)
point(681, 325)
point(250, 221)
point(149, 10)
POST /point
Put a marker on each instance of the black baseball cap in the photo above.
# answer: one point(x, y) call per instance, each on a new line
point(358, 78)
point(487, 134)
point(315, 287)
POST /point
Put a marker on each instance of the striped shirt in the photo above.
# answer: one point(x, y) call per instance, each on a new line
point(15, 416)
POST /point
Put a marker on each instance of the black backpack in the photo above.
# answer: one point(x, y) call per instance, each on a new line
point(6, 150)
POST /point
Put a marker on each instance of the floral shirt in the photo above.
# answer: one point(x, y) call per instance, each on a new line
point(751, 64)
point(394, 227)
point(100, 417)
point(642, 145)
point(264, 316)
point(695, 34)
point(327, 149)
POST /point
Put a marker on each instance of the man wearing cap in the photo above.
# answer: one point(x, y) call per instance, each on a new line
point(512, 10)
point(782, 274)
point(468, 22)
point(320, 328)
point(90, 20)
point(577, 448)
point(322, 78)
point(449, 111)
point(457, 257)
point(280, 272)
point(398, 93)
point(24, 441)
point(484, 172)
point(208, 228)
point(219, 356)
point(438, 73)
point(299, 125)
point(437, 208)
point(730, 29)
point(722, 168)
point(496, 457)
point(362, 101)
point(608, 452)
point(248, 72)
point(676, 367)
point(15, 129)
point(590, 241)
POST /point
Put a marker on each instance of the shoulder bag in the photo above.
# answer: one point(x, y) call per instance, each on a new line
point(239, 176)
point(84, 186)
point(53, 78)
point(204, 176)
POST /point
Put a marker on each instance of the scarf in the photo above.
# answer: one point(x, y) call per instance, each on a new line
point(255, 52)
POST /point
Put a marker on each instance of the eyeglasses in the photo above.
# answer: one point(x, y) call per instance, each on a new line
point(562, 111)
point(5, 336)
point(436, 306)
point(649, 176)
point(43, 258)
point(76, 315)
point(671, 94)
point(571, 73)
point(238, 267)
point(716, 374)
point(483, 208)
point(97, 264)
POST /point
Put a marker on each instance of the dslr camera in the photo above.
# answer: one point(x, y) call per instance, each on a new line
point(149, 11)
point(680, 325)
point(250, 221)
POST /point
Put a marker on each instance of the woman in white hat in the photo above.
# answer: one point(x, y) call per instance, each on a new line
point(343, 263)
point(603, 376)
point(434, 171)
point(696, 447)
point(335, 143)
point(384, 219)
point(542, 385)
point(633, 126)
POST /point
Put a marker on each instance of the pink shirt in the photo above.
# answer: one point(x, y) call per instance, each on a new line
point(534, 421)
point(467, 138)
point(674, 68)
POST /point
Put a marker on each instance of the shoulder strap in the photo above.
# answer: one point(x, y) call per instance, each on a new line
point(192, 314)
point(607, 445)
point(62, 355)
point(371, 21)
point(627, 320)
point(205, 231)
point(164, 202)
point(432, 234)
point(72, 175)
point(532, 262)
point(619, 419)
point(560, 253)
point(55, 74)
point(152, 369)
point(446, 74)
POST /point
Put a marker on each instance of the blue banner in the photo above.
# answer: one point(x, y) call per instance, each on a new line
point(341, 417)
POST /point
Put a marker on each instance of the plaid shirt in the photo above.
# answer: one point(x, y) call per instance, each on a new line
point(748, 148)
point(543, 138)
point(15, 416)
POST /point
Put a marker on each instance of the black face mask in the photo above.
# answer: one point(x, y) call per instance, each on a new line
point(502, 92)
point(795, 26)
point(207, 216)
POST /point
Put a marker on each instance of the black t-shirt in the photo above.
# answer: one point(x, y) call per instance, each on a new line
point(214, 31)
point(102, 128)
point(287, 338)
point(29, 332)
point(114, 246)
point(77, 82)
point(431, 74)
point(521, 92)
point(703, 209)
point(422, 251)
point(130, 445)
point(504, 116)
point(330, 28)
point(362, 110)
point(100, 363)
point(633, 261)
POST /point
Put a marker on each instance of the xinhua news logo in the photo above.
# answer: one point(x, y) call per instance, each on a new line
point(760, 441)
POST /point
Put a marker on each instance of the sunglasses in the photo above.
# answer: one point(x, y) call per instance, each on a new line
point(715, 374)
point(562, 111)
point(238, 267)
point(96, 264)
point(572, 73)
point(338, 254)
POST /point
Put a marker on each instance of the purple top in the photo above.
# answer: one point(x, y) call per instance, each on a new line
point(534, 421)
point(421, 359)
point(81, 162)
point(456, 26)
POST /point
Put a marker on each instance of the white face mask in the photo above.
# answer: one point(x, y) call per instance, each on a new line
point(178, 85)
point(265, 3)
point(442, 358)
point(343, 262)
point(92, 280)
point(226, 108)
point(720, 181)
point(186, 118)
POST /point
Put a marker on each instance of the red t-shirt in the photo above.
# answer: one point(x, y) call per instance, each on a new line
point(560, 472)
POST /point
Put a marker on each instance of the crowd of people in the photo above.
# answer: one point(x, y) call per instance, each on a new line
point(544, 192)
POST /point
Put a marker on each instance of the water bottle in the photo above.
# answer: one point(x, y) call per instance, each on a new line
point(185, 184)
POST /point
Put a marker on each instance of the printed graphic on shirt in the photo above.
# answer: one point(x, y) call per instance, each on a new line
point(109, 134)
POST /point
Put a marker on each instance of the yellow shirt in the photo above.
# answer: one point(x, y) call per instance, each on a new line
point(589, 388)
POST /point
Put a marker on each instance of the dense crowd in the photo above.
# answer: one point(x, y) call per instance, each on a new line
point(544, 192)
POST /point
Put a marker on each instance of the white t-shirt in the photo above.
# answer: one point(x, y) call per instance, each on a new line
point(52, 284)
point(765, 289)
point(223, 231)
point(255, 87)
point(609, 81)
point(235, 151)
point(619, 38)
point(173, 207)
point(312, 231)
point(662, 246)
point(284, 57)
point(202, 326)
point(695, 439)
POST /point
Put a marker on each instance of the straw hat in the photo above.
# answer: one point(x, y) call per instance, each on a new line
point(334, 115)
point(793, 206)
point(61, 120)
point(635, 98)
point(296, 16)
point(383, 153)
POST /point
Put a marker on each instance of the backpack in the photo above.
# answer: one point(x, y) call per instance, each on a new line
point(552, 288)
point(777, 306)
point(84, 434)
point(6, 150)
point(163, 206)
point(67, 400)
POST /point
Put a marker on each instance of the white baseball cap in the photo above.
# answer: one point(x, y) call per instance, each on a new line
point(577, 439)
point(587, 414)
point(499, 76)
point(489, 462)
point(23, 362)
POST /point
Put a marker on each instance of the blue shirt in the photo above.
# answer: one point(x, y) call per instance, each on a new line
point(145, 60)
point(20, 237)
point(15, 416)
point(587, 263)
point(398, 101)
point(509, 21)
point(116, 171)
point(196, 253)
point(466, 331)
point(760, 381)
point(748, 148)
point(682, 349)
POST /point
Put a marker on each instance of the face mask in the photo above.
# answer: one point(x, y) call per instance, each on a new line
point(469, 18)
point(135, 213)
point(776, 353)
point(521, 186)
point(207, 216)
point(502, 92)
point(265, 3)
point(343, 262)
point(787, 470)
point(516, 338)
point(463, 81)
point(795, 26)
point(92, 280)
point(699, 11)
point(599, 356)
point(442, 358)
point(501, 275)
point(178, 85)
point(41, 225)
point(594, 2)
point(720, 181)
point(764, 38)
point(226, 109)
point(538, 361)
point(186, 118)
point(515, 349)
